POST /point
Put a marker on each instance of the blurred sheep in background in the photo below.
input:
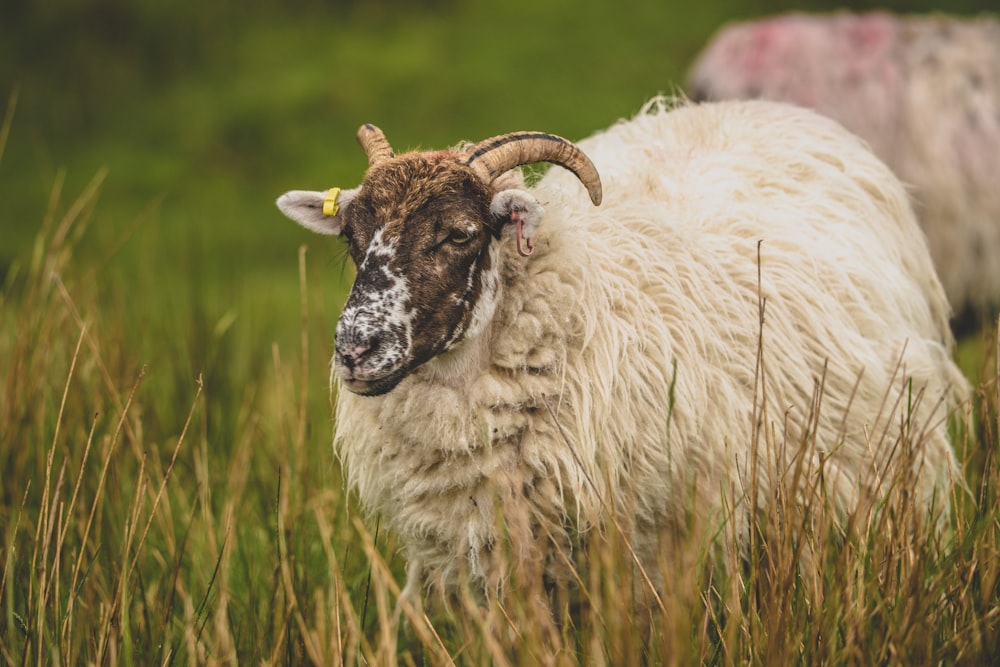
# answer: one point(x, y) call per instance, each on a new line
point(924, 91)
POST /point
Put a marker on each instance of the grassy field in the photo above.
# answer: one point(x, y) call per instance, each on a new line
point(168, 494)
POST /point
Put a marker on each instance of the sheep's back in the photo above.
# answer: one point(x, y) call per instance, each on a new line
point(715, 215)
point(924, 90)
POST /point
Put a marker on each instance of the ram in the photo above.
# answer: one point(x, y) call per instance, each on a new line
point(924, 91)
point(516, 366)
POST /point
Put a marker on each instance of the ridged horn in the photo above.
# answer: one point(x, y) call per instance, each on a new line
point(494, 156)
point(376, 146)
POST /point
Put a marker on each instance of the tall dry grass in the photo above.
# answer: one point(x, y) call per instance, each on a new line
point(152, 518)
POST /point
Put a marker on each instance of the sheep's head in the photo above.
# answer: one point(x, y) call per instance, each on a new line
point(421, 230)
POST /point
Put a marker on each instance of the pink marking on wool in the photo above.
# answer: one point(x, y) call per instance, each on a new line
point(767, 39)
point(872, 32)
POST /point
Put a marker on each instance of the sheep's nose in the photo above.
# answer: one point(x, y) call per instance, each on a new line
point(354, 351)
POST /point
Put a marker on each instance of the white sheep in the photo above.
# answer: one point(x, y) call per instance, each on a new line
point(494, 407)
point(924, 91)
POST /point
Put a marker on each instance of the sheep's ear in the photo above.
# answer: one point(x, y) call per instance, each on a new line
point(322, 211)
point(520, 215)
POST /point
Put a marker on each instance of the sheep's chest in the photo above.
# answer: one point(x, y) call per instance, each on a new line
point(446, 467)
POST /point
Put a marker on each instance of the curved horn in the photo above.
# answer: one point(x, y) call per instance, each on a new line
point(494, 156)
point(376, 146)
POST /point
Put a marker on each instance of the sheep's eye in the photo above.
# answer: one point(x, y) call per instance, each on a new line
point(459, 237)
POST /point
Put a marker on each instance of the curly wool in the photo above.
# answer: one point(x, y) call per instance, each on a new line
point(618, 376)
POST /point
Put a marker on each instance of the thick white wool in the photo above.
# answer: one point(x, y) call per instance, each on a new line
point(618, 374)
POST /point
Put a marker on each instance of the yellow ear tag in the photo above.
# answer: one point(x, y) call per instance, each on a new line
point(330, 205)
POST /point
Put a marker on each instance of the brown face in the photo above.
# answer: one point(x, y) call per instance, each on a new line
point(419, 232)
point(421, 229)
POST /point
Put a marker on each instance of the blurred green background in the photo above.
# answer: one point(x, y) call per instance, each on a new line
point(198, 114)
